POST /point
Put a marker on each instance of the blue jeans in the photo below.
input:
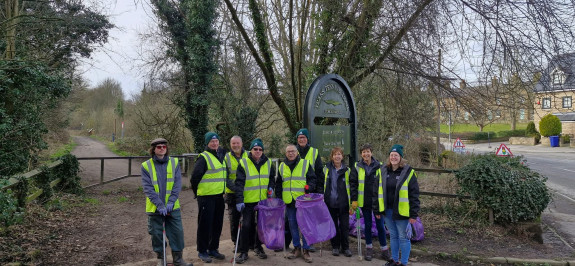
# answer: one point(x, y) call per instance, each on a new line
point(294, 229)
point(398, 237)
point(367, 213)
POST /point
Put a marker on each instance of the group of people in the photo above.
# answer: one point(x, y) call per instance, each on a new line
point(241, 179)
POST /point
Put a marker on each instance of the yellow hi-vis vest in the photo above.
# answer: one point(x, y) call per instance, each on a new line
point(403, 204)
point(311, 156)
point(232, 163)
point(256, 186)
point(293, 184)
point(214, 180)
point(361, 182)
point(326, 170)
point(171, 169)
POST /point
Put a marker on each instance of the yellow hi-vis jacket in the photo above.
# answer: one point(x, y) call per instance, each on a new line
point(214, 179)
point(361, 183)
point(403, 195)
point(311, 156)
point(232, 163)
point(293, 183)
point(256, 186)
point(171, 169)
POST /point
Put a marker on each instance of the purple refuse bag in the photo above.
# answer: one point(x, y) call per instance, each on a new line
point(313, 218)
point(417, 229)
point(353, 225)
point(271, 223)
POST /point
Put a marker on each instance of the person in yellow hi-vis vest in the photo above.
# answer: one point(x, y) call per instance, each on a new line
point(336, 197)
point(233, 159)
point(255, 177)
point(162, 183)
point(209, 183)
point(363, 178)
point(398, 202)
point(294, 175)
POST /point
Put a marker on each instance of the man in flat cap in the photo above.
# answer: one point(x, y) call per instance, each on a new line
point(162, 183)
point(209, 183)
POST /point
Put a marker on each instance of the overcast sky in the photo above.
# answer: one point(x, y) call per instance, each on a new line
point(117, 59)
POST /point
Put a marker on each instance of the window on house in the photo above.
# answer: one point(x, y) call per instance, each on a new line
point(489, 115)
point(557, 77)
point(497, 113)
point(466, 116)
point(546, 103)
point(521, 114)
point(567, 102)
point(498, 101)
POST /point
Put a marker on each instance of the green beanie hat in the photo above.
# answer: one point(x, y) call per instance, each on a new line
point(209, 136)
point(397, 148)
point(304, 132)
point(257, 143)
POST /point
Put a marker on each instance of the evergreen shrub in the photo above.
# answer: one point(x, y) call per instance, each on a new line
point(513, 191)
point(549, 125)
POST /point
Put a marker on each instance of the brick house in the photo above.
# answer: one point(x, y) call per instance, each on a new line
point(554, 92)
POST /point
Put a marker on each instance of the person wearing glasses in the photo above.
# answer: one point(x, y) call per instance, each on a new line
point(162, 183)
point(255, 176)
point(294, 175)
point(209, 183)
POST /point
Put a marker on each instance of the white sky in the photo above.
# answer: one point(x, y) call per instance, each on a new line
point(118, 58)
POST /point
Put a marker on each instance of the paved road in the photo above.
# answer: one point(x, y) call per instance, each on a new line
point(558, 165)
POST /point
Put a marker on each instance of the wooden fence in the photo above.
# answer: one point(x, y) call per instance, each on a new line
point(13, 181)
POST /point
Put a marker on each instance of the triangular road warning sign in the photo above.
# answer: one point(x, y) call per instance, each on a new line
point(458, 143)
point(503, 151)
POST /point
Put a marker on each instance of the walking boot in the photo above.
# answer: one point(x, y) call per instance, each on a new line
point(216, 254)
point(243, 257)
point(296, 252)
point(385, 255)
point(260, 253)
point(179, 260)
point(306, 256)
point(368, 254)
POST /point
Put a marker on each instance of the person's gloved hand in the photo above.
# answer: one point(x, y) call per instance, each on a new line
point(163, 211)
point(408, 231)
point(270, 192)
point(240, 206)
point(170, 207)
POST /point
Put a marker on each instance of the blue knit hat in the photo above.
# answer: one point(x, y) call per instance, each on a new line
point(304, 132)
point(257, 143)
point(397, 148)
point(209, 136)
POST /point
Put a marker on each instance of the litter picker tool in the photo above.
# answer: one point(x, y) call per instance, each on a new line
point(238, 240)
point(164, 239)
point(358, 230)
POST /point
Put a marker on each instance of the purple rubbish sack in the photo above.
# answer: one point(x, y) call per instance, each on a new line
point(313, 218)
point(353, 225)
point(271, 223)
point(417, 229)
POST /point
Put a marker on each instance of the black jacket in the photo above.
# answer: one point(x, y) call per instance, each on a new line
point(317, 167)
point(342, 199)
point(412, 188)
point(241, 176)
point(310, 178)
point(201, 166)
point(370, 178)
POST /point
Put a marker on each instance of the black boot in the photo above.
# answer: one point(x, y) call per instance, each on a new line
point(178, 260)
point(160, 257)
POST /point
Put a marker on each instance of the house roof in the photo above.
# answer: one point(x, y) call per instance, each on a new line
point(564, 63)
point(565, 116)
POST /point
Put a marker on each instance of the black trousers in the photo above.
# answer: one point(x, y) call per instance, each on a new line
point(249, 234)
point(233, 215)
point(340, 217)
point(210, 222)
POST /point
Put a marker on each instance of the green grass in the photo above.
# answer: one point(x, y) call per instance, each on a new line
point(63, 150)
point(458, 128)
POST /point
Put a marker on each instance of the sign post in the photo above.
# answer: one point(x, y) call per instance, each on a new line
point(330, 116)
point(458, 146)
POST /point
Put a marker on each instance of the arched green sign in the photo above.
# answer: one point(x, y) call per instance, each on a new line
point(330, 116)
